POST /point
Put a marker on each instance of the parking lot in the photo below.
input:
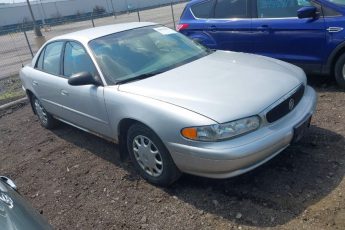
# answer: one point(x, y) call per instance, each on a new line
point(78, 181)
point(15, 51)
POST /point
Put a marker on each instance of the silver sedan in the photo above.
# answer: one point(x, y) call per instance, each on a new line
point(172, 104)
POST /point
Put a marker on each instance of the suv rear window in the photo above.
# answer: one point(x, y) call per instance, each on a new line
point(203, 10)
point(231, 9)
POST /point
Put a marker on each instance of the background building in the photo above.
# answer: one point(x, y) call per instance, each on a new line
point(50, 10)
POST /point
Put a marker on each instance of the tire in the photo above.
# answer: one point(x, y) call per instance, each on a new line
point(339, 71)
point(150, 157)
point(45, 119)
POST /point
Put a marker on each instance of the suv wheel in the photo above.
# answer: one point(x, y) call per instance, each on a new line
point(339, 71)
point(150, 157)
point(46, 120)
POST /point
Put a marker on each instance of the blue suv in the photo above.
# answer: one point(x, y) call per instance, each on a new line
point(307, 33)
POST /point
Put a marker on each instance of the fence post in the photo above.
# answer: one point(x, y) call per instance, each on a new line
point(138, 14)
point(93, 23)
point(173, 15)
point(112, 5)
point(27, 41)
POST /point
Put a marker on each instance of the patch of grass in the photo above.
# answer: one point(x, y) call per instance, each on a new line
point(11, 95)
point(10, 89)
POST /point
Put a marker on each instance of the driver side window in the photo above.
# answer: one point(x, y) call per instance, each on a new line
point(76, 60)
point(280, 8)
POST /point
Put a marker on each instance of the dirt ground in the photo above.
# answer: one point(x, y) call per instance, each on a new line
point(78, 181)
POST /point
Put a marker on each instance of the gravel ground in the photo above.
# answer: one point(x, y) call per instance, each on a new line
point(79, 182)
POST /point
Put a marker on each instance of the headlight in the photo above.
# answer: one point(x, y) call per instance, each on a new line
point(224, 131)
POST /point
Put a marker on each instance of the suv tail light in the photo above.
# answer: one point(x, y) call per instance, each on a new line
point(180, 27)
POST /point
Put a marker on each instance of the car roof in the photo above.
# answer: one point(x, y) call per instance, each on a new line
point(84, 36)
point(197, 1)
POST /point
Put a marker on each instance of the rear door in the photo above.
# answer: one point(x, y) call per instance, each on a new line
point(193, 20)
point(230, 25)
point(279, 33)
point(45, 78)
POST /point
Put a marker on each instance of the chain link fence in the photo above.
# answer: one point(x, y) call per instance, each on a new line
point(17, 46)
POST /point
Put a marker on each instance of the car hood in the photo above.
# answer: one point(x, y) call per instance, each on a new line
point(222, 86)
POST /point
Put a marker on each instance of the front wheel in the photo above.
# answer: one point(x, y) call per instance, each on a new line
point(150, 157)
point(46, 120)
point(339, 71)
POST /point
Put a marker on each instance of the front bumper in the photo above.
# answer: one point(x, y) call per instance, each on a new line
point(237, 156)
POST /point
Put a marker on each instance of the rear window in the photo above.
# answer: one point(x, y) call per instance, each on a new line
point(49, 59)
point(203, 10)
point(231, 9)
point(39, 64)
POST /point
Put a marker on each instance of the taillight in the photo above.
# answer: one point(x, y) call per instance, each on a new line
point(180, 27)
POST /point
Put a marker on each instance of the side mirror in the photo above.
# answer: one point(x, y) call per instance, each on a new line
point(307, 12)
point(83, 78)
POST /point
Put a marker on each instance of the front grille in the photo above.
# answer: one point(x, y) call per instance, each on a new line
point(286, 106)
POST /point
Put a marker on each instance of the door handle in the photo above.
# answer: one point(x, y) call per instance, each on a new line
point(334, 29)
point(212, 28)
point(64, 92)
point(264, 28)
point(35, 83)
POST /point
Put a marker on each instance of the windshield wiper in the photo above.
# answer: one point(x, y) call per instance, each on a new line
point(139, 77)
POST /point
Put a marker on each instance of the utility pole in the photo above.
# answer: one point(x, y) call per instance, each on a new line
point(112, 5)
point(43, 14)
point(173, 14)
point(36, 28)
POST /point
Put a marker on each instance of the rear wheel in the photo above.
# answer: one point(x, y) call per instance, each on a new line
point(46, 120)
point(150, 157)
point(339, 71)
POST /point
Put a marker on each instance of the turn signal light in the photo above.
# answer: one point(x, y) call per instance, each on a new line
point(190, 133)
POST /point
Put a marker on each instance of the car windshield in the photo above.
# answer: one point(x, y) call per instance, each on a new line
point(143, 52)
point(338, 2)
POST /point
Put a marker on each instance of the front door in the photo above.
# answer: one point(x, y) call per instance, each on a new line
point(279, 33)
point(84, 106)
